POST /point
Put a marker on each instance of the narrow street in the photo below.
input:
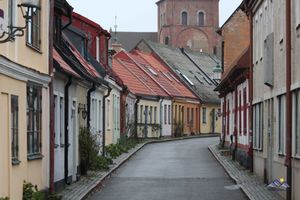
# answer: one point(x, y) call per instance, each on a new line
point(174, 170)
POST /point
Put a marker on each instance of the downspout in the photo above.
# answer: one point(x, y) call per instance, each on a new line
point(235, 123)
point(288, 159)
point(104, 119)
point(224, 121)
point(136, 116)
point(250, 150)
point(160, 117)
point(67, 86)
point(51, 99)
point(89, 93)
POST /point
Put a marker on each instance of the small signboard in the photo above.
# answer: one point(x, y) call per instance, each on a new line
point(3, 23)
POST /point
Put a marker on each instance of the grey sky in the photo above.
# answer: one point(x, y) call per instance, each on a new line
point(133, 15)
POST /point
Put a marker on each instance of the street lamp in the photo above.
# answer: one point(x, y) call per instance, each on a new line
point(28, 7)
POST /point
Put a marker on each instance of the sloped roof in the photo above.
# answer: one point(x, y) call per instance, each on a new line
point(128, 40)
point(62, 65)
point(162, 75)
point(189, 73)
point(136, 79)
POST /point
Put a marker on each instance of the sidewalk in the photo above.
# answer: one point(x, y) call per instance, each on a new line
point(95, 180)
point(250, 184)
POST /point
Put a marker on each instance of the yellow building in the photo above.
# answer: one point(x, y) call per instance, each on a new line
point(210, 120)
point(24, 102)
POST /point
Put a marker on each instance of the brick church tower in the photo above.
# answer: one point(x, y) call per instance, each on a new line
point(190, 24)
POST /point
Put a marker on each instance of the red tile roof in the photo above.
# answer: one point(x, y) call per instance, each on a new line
point(65, 67)
point(136, 79)
point(163, 75)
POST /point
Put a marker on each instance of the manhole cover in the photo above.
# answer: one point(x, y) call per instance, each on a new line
point(232, 187)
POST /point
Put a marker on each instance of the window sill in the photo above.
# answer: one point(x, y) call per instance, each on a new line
point(35, 157)
point(56, 146)
point(297, 157)
point(258, 150)
point(298, 27)
point(281, 155)
point(34, 48)
point(15, 161)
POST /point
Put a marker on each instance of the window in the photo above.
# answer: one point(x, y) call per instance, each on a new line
point(165, 114)
point(169, 114)
point(204, 115)
point(61, 120)
point(281, 124)
point(141, 114)
point(245, 110)
point(155, 114)
point(184, 18)
point(296, 123)
point(201, 18)
point(188, 115)
point(240, 113)
point(151, 114)
point(34, 117)
point(188, 80)
point(167, 40)
point(33, 29)
point(14, 103)
point(175, 113)
point(297, 13)
point(192, 116)
point(12, 13)
point(258, 126)
point(281, 19)
point(107, 114)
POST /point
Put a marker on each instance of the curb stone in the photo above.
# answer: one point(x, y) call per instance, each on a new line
point(252, 189)
point(100, 182)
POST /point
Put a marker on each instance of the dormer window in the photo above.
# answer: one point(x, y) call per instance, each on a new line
point(184, 18)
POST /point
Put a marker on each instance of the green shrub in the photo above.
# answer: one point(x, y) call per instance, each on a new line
point(89, 149)
point(54, 196)
point(4, 198)
point(101, 163)
point(31, 192)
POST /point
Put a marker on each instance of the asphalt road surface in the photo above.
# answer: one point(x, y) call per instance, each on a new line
point(181, 170)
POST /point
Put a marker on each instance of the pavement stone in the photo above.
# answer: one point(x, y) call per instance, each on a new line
point(250, 184)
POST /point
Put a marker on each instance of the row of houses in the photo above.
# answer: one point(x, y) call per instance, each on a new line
point(259, 89)
point(61, 76)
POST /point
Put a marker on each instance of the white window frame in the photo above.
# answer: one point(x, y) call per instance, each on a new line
point(296, 123)
point(204, 18)
point(297, 13)
point(281, 136)
point(258, 126)
point(187, 18)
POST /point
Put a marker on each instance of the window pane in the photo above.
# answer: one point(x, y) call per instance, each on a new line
point(201, 19)
point(184, 18)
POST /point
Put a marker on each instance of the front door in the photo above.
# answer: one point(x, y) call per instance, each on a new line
point(213, 123)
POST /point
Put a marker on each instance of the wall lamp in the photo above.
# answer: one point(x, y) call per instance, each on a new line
point(82, 109)
point(28, 7)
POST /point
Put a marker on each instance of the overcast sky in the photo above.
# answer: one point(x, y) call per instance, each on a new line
point(133, 15)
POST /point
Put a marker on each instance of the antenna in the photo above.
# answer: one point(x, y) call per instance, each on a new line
point(116, 27)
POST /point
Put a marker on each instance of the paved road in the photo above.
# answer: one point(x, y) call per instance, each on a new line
point(181, 170)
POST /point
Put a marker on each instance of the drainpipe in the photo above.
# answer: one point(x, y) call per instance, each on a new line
point(67, 128)
point(224, 121)
point(288, 158)
point(235, 123)
point(89, 93)
point(250, 150)
point(136, 116)
point(51, 99)
point(103, 120)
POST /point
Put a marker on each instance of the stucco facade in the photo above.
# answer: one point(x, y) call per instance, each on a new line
point(269, 94)
point(17, 74)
